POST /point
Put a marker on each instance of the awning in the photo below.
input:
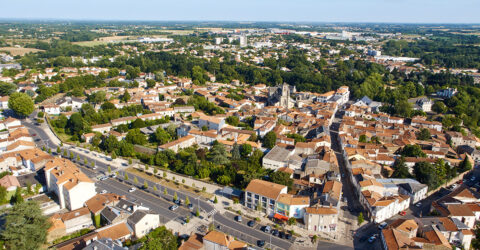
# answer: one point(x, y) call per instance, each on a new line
point(280, 217)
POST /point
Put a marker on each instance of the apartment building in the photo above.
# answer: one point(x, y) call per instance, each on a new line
point(72, 187)
point(263, 195)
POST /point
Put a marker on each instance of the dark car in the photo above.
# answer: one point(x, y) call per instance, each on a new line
point(177, 201)
point(288, 236)
point(281, 234)
point(261, 243)
point(275, 232)
point(251, 223)
point(190, 206)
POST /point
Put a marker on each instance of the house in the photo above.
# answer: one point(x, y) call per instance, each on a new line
point(72, 187)
point(52, 109)
point(9, 182)
point(211, 122)
point(98, 202)
point(70, 101)
point(120, 231)
point(74, 220)
point(143, 222)
point(289, 206)
point(184, 110)
point(4, 102)
point(88, 137)
point(183, 142)
point(423, 104)
point(264, 194)
point(105, 244)
point(414, 189)
point(321, 219)
point(215, 240)
point(194, 242)
point(102, 128)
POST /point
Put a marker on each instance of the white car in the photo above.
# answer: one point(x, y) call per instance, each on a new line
point(132, 189)
point(103, 191)
point(419, 204)
point(173, 208)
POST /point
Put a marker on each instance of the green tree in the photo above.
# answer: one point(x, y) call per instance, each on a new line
point(159, 238)
point(187, 201)
point(25, 227)
point(246, 150)
point(270, 140)
point(3, 195)
point(236, 152)
point(165, 191)
point(291, 221)
point(282, 178)
point(7, 88)
point(126, 176)
point(58, 150)
point(218, 154)
point(21, 104)
point(109, 169)
point(145, 184)
point(360, 219)
point(465, 165)
point(400, 169)
point(17, 197)
point(114, 155)
point(439, 107)
point(134, 136)
point(197, 212)
point(215, 200)
point(135, 180)
point(424, 134)
point(161, 136)
point(362, 138)
point(155, 188)
point(49, 151)
point(425, 173)
point(412, 151)
point(126, 96)
point(175, 196)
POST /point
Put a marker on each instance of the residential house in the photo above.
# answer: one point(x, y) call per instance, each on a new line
point(215, 240)
point(181, 143)
point(291, 206)
point(321, 219)
point(143, 222)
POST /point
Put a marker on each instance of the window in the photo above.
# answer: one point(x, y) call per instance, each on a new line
point(264, 199)
point(257, 197)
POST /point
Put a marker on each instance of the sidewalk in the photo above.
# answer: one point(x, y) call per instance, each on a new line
point(210, 188)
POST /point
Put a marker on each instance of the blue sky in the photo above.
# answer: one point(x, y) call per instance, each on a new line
point(411, 11)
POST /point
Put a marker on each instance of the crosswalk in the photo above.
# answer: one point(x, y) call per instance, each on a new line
point(211, 213)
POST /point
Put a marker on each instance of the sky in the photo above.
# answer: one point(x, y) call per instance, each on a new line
point(390, 11)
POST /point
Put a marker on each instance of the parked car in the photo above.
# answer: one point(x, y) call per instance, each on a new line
point(190, 206)
point(275, 232)
point(132, 189)
point(104, 178)
point(403, 213)
point(281, 234)
point(473, 178)
point(260, 243)
point(103, 191)
point(251, 223)
point(372, 239)
point(267, 229)
point(288, 236)
point(382, 225)
point(173, 207)
point(177, 201)
point(419, 204)
point(238, 218)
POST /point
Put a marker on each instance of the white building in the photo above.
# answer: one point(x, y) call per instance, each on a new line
point(72, 187)
point(143, 222)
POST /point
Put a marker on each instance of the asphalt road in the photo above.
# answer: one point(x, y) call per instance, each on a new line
point(160, 203)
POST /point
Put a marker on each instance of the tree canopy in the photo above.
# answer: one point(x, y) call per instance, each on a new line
point(21, 104)
point(25, 227)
